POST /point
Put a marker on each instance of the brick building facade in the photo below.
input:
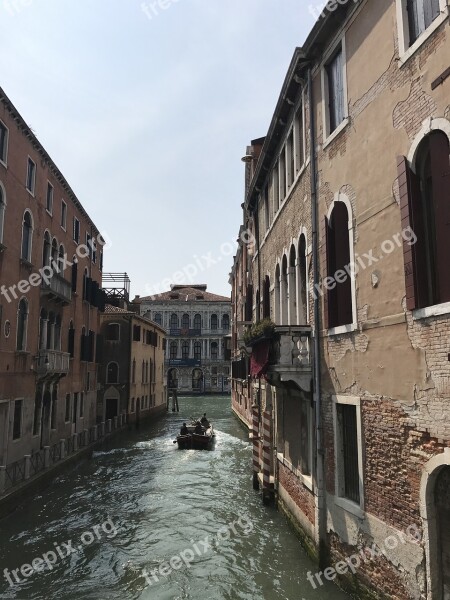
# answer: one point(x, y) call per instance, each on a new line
point(348, 198)
point(51, 298)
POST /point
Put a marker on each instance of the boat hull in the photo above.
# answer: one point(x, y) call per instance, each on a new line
point(195, 441)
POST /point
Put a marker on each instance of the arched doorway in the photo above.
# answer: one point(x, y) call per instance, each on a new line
point(197, 380)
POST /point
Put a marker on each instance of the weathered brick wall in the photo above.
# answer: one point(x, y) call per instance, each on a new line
point(300, 494)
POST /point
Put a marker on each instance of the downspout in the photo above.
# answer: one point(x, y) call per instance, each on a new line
point(319, 451)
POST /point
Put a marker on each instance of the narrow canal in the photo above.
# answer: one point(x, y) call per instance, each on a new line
point(140, 503)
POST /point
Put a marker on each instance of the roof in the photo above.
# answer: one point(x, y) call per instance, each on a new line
point(185, 294)
point(115, 310)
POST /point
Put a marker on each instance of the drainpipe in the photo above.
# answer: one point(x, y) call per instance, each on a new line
point(319, 451)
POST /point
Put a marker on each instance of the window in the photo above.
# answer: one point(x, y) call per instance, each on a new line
point(113, 332)
point(421, 14)
point(290, 159)
point(282, 174)
point(27, 236)
point(49, 200)
point(266, 208)
point(67, 409)
point(299, 140)
point(425, 209)
point(225, 322)
point(348, 448)
point(333, 92)
point(2, 212)
point(132, 405)
point(81, 405)
point(17, 424)
point(197, 350)
point(4, 134)
point(185, 322)
point(63, 214)
point(185, 350)
point(136, 333)
point(276, 189)
point(266, 298)
point(133, 371)
point(198, 322)
point(22, 321)
point(214, 351)
point(112, 373)
point(74, 273)
point(173, 321)
point(76, 230)
point(214, 322)
point(173, 349)
point(31, 176)
point(339, 284)
point(71, 340)
point(158, 318)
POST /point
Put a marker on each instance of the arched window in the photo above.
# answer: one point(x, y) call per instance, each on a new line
point(51, 331)
point(185, 350)
point(57, 342)
point(54, 253)
point(113, 332)
point(214, 351)
point(197, 350)
point(284, 292)
point(173, 350)
point(158, 318)
point(214, 322)
point(185, 322)
point(174, 321)
point(71, 340)
point(266, 298)
point(112, 373)
point(61, 262)
point(22, 322)
point(27, 236)
point(2, 212)
point(302, 283)
point(74, 273)
point(292, 285)
point(85, 284)
point(46, 250)
point(278, 295)
point(225, 322)
point(339, 296)
point(425, 210)
point(43, 329)
point(198, 322)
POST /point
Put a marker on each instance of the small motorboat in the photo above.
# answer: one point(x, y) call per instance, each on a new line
point(195, 440)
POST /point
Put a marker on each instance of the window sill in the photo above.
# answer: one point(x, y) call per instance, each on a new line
point(306, 480)
point(336, 133)
point(49, 213)
point(2, 247)
point(423, 38)
point(431, 311)
point(342, 329)
point(26, 263)
point(30, 192)
point(350, 507)
point(3, 163)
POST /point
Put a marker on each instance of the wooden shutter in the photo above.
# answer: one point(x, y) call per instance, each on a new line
point(71, 342)
point(414, 256)
point(440, 173)
point(324, 271)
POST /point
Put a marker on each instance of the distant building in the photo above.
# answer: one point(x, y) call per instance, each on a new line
point(197, 324)
point(50, 303)
point(131, 375)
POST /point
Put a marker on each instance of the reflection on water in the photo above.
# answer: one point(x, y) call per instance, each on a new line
point(167, 505)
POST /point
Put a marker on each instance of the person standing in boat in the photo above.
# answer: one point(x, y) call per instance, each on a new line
point(198, 428)
point(184, 430)
point(204, 421)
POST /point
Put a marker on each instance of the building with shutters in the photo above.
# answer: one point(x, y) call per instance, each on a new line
point(131, 373)
point(50, 304)
point(348, 198)
point(197, 324)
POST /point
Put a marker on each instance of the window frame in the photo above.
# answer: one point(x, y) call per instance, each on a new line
point(76, 239)
point(3, 206)
point(405, 50)
point(329, 136)
point(52, 189)
point(30, 244)
point(16, 438)
point(113, 362)
point(108, 339)
point(32, 190)
point(4, 156)
point(63, 221)
point(339, 499)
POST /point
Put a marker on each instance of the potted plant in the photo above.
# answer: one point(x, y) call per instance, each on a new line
point(262, 330)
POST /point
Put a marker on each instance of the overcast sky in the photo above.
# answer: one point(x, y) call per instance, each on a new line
point(148, 115)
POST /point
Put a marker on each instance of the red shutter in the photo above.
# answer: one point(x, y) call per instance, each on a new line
point(324, 270)
point(414, 256)
point(440, 172)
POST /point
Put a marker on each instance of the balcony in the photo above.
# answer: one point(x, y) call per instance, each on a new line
point(284, 356)
point(57, 288)
point(52, 362)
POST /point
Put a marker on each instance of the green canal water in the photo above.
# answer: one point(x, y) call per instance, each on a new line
point(142, 519)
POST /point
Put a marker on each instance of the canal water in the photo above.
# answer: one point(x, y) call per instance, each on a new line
point(112, 526)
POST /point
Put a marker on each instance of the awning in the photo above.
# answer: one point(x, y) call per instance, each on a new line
point(260, 359)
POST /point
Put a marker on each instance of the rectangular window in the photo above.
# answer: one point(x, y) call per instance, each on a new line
point(31, 176)
point(67, 411)
point(266, 208)
point(348, 448)
point(76, 230)
point(17, 425)
point(421, 14)
point(335, 90)
point(63, 214)
point(299, 140)
point(282, 174)
point(49, 200)
point(276, 189)
point(290, 156)
point(81, 405)
point(136, 333)
point(3, 143)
